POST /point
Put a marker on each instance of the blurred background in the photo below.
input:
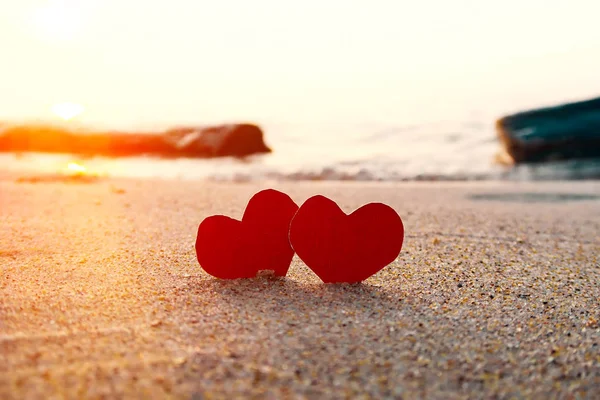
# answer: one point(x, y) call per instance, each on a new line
point(378, 89)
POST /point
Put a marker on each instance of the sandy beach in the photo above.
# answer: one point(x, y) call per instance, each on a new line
point(494, 295)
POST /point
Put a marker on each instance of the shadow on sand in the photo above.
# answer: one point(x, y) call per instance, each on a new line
point(272, 294)
point(532, 197)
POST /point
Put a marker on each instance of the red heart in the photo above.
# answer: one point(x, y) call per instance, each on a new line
point(230, 249)
point(346, 248)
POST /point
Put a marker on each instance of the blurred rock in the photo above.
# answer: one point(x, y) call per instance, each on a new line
point(237, 140)
point(564, 132)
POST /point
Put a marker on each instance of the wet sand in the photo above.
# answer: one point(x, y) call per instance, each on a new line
point(495, 295)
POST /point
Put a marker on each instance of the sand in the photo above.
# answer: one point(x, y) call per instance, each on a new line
point(495, 295)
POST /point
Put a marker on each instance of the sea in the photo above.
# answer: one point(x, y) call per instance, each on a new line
point(442, 150)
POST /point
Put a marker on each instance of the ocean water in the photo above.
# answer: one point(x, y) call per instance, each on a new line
point(333, 151)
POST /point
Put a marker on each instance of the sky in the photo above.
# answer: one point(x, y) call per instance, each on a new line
point(134, 62)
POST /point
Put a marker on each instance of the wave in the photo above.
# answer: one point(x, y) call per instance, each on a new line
point(343, 152)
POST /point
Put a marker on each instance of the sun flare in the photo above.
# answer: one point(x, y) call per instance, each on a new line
point(67, 111)
point(76, 167)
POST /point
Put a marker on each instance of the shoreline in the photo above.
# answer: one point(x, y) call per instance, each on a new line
point(285, 167)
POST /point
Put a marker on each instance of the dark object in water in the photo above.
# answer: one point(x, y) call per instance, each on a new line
point(569, 131)
point(237, 140)
point(219, 141)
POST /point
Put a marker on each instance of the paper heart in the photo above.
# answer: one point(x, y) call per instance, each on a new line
point(346, 248)
point(230, 249)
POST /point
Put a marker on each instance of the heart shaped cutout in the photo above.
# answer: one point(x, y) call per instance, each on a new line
point(230, 249)
point(342, 248)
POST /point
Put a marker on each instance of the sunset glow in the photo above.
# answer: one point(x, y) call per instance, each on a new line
point(76, 168)
point(67, 111)
point(386, 61)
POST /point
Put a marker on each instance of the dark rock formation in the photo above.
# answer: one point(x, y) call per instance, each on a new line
point(218, 141)
point(236, 140)
point(569, 131)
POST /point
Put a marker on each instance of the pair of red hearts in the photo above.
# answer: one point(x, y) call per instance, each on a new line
point(337, 247)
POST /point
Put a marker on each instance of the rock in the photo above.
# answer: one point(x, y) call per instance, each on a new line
point(236, 140)
point(564, 132)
